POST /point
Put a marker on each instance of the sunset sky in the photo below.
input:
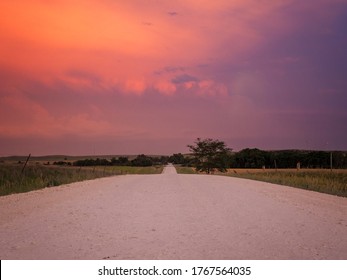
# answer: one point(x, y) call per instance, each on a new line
point(129, 77)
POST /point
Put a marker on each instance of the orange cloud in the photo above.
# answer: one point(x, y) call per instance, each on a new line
point(125, 42)
point(135, 86)
point(20, 116)
point(74, 24)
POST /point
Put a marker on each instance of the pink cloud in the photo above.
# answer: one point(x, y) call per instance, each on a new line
point(135, 86)
point(23, 117)
point(127, 69)
point(109, 40)
point(212, 88)
point(165, 87)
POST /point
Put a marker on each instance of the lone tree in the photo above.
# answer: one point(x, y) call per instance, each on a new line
point(209, 155)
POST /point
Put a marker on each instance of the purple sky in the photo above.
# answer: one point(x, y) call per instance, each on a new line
point(108, 77)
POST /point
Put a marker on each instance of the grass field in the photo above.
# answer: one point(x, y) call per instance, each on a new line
point(320, 180)
point(38, 176)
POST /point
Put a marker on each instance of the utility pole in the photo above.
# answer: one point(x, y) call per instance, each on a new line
point(331, 161)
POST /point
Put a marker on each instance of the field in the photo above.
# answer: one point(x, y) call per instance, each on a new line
point(39, 174)
point(320, 180)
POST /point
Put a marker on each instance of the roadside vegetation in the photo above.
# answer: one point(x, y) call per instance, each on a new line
point(186, 170)
point(320, 180)
point(37, 176)
point(321, 171)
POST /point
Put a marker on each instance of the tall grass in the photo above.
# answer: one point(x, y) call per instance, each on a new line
point(320, 180)
point(39, 176)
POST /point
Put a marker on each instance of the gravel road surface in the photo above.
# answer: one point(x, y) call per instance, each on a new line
point(171, 216)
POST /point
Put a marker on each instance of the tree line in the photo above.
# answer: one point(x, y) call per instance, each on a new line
point(255, 158)
point(207, 155)
point(140, 160)
point(246, 158)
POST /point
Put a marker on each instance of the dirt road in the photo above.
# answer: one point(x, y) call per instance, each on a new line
point(170, 216)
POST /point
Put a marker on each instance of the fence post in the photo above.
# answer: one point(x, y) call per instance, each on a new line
point(25, 164)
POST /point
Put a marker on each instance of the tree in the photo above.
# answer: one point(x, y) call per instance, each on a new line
point(251, 158)
point(209, 155)
point(177, 159)
point(142, 160)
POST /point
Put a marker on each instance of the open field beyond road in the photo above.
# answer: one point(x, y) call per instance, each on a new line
point(322, 180)
point(171, 216)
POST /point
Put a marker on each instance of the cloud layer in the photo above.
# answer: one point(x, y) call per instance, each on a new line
point(152, 77)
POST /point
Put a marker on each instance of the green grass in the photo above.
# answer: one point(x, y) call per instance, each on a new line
point(39, 176)
point(122, 170)
point(185, 170)
point(320, 180)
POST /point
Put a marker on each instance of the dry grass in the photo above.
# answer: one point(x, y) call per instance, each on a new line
point(38, 176)
point(321, 180)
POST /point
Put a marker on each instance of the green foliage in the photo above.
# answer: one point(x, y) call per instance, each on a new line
point(140, 160)
point(121, 161)
point(210, 155)
point(154, 169)
point(255, 158)
point(177, 159)
point(185, 170)
point(250, 158)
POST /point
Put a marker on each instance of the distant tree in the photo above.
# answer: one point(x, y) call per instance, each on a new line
point(177, 159)
point(142, 160)
point(209, 155)
point(251, 158)
point(121, 161)
point(162, 160)
point(91, 162)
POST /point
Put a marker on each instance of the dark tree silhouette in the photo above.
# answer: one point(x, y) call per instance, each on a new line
point(210, 155)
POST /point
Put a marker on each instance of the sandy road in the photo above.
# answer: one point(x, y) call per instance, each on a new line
point(170, 216)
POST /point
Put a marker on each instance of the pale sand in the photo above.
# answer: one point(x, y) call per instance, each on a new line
point(170, 216)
